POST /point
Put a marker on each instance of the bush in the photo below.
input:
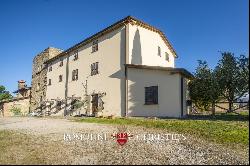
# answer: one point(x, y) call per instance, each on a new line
point(16, 111)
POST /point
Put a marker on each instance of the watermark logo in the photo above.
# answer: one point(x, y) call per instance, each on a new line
point(122, 138)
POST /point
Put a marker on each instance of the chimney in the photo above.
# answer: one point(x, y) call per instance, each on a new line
point(21, 84)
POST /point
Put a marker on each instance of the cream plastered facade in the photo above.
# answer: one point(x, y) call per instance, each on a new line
point(128, 44)
point(143, 48)
point(169, 93)
point(111, 77)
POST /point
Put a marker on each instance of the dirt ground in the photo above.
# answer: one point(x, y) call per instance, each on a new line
point(26, 140)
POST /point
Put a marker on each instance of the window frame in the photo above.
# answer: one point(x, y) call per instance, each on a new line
point(49, 82)
point(159, 51)
point(75, 75)
point(60, 78)
point(94, 69)
point(61, 63)
point(151, 95)
point(167, 56)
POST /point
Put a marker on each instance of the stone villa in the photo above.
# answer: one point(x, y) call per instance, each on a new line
point(127, 69)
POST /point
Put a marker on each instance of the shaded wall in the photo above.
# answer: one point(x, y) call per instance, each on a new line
point(169, 93)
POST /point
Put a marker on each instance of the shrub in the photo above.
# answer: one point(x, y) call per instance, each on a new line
point(15, 111)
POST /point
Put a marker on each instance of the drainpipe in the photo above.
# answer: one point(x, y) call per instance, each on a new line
point(126, 62)
point(66, 86)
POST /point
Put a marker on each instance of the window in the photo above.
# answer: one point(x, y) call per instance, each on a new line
point(60, 78)
point(94, 68)
point(49, 82)
point(75, 75)
point(38, 87)
point(159, 50)
point(61, 63)
point(167, 56)
point(95, 46)
point(50, 68)
point(151, 95)
point(75, 55)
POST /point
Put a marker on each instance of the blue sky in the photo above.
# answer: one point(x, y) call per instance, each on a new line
point(197, 29)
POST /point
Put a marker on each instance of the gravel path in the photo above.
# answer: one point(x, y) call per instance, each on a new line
point(188, 150)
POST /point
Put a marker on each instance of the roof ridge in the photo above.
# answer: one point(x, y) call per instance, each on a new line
point(127, 19)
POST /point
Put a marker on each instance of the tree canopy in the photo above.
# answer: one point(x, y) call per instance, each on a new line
point(204, 89)
point(4, 95)
point(232, 74)
point(228, 81)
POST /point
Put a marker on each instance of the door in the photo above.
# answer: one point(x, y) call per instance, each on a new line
point(94, 103)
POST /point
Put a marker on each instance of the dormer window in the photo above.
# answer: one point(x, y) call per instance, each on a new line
point(95, 46)
point(75, 55)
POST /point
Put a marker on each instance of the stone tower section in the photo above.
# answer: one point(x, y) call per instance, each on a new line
point(39, 78)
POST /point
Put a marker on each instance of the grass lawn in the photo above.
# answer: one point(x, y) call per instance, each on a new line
point(19, 148)
point(226, 129)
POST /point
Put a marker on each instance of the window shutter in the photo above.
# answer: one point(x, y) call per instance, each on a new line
point(155, 94)
point(73, 75)
point(151, 95)
point(91, 69)
point(97, 68)
point(76, 74)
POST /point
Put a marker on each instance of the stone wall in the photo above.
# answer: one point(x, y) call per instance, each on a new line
point(39, 77)
point(22, 104)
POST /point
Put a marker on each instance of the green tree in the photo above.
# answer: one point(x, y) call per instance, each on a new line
point(232, 74)
point(204, 89)
point(4, 95)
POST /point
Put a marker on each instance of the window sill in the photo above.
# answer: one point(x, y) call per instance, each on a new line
point(151, 104)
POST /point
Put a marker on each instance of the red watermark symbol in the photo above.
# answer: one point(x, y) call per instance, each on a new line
point(121, 138)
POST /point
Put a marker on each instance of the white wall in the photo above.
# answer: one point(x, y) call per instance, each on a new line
point(111, 58)
point(143, 48)
point(169, 93)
